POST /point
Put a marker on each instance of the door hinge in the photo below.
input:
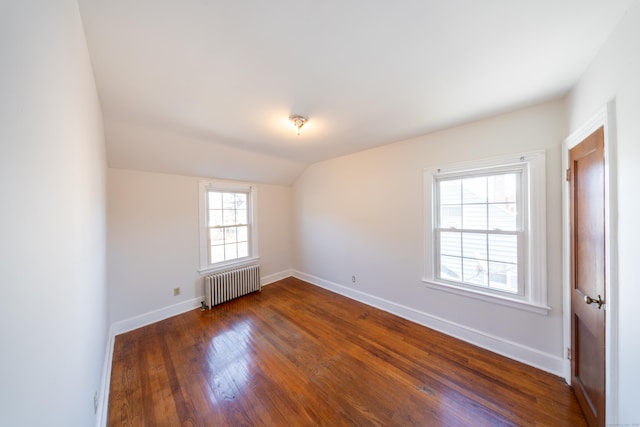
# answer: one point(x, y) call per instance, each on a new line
point(569, 353)
point(568, 176)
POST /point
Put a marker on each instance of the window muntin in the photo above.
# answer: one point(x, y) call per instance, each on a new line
point(478, 230)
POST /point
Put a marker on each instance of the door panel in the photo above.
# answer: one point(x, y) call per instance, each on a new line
point(588, 275)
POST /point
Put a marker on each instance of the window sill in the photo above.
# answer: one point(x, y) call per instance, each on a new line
point(228, 265)
point(495, 299)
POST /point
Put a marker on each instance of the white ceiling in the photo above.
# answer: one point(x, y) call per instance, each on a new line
point(191, 86)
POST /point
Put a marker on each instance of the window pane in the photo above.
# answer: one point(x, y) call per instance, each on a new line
point(215, 200)
point(451, 268)
point(241, 216)
point(503, 276)
point(503, 248)
point(502, 188)
point(215, 218)
point(230, 251)
point(229, 217)
point(474, 246)
point(217, 254)
point(243, 234)
point(502, 216)
point(450, 244)
point(230, 234)
point(241, 201)
point(475, 271)
point(216, 236)
point(451, 192)
point(451, 216)
point(474, 217)
point(228, 200)
point(474, 190)
point(243, 249)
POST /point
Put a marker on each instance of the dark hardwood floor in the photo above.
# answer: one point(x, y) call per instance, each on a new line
point(298, 355)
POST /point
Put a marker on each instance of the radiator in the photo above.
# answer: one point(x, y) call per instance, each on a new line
point(230, 284)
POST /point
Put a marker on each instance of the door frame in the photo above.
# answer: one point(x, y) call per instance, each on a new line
point(605, 117)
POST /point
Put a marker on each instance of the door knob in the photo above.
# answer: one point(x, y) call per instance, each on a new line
point(590, 300)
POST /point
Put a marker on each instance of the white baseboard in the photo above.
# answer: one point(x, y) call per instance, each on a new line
point(267, 280)
point(154, 316)
point(103, 398)
point(530, 356)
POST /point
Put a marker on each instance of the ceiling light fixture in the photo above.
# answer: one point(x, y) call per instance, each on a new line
point(297, 121)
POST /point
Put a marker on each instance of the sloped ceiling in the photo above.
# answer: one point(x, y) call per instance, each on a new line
point(204, 87)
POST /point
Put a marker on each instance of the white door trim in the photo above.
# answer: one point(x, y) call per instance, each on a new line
point(604, 117)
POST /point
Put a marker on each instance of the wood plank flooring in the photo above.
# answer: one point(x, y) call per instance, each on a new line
point(298, 355)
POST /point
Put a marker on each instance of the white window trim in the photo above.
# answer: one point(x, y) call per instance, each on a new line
point(535, 257)
point(217, 185)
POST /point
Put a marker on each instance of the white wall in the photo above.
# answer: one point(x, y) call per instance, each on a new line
point(53, 326)
point(153, 243)
point(614, 75)
point(362, 215)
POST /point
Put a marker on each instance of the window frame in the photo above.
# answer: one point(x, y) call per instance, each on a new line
point(532, 294)
point(204, 187)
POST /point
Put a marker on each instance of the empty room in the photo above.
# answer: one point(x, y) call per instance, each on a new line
point(319, 213)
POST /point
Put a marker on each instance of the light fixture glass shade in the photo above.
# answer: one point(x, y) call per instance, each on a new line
point(297, 122)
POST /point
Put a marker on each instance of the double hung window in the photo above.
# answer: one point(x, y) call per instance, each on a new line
point(227, 227)
point(486, 230)
point(479, 228)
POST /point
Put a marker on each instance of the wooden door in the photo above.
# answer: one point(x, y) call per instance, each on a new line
point(587, 192)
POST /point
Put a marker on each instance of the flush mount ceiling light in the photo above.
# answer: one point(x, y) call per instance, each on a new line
point(297, 121)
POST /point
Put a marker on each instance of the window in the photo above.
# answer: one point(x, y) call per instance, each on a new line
point(478, 228)
point(227, 230)
point(228, 225)
point(486, 230)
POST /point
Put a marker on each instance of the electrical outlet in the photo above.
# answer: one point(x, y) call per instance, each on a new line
point(95, 402)
point(176, 292)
